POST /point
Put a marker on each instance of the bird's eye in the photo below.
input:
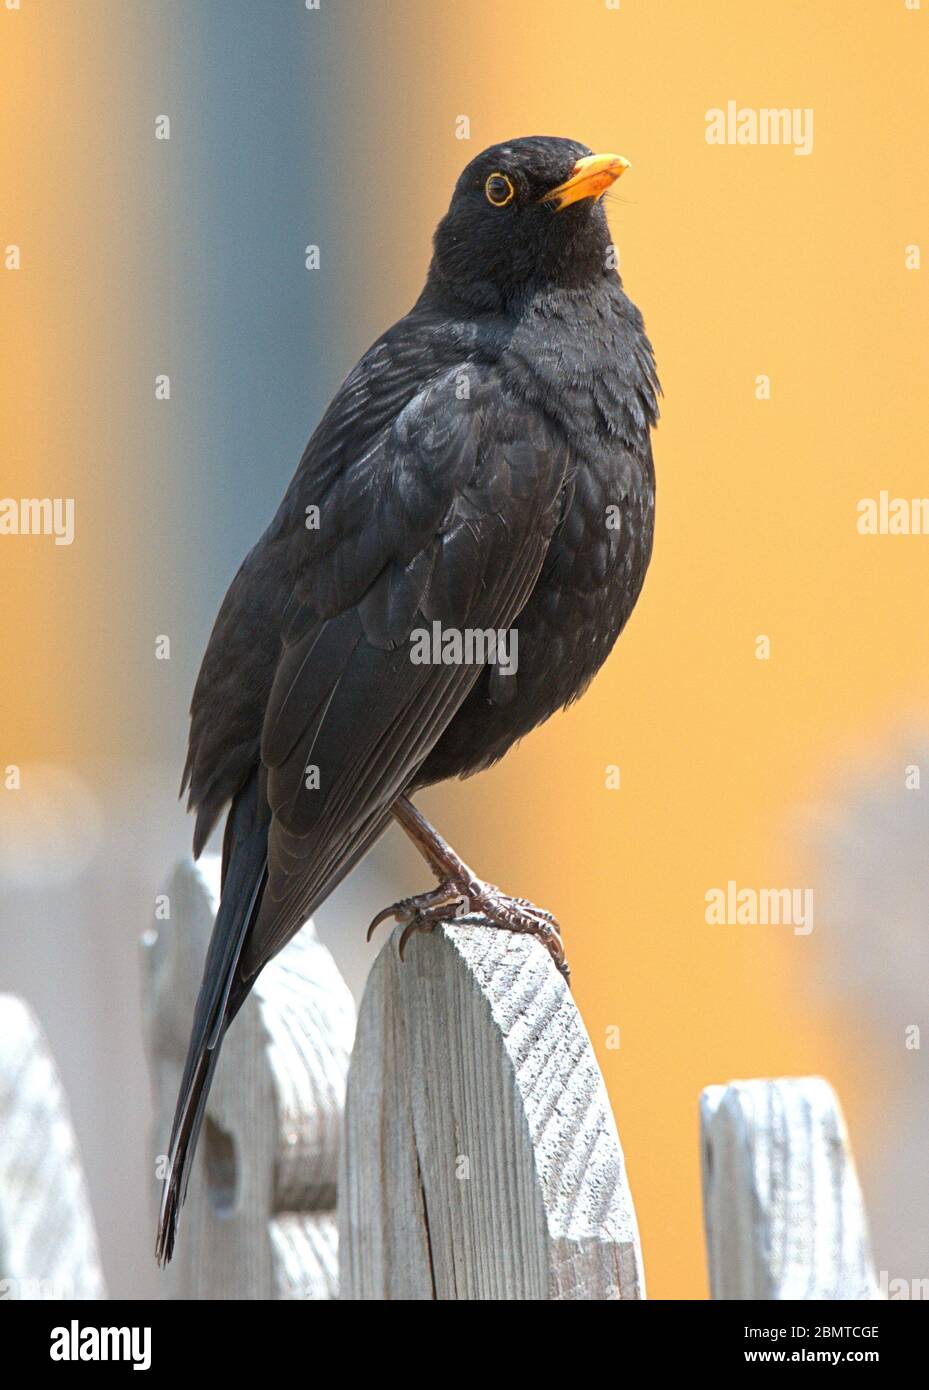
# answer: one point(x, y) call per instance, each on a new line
point(499, 190)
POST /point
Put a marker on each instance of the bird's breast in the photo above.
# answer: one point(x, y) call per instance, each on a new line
point(586, 364)
point(587, 589)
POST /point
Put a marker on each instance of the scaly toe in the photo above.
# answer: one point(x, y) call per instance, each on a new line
point(522, 916)
point(537, 911)
point(445, 901)
point(425, 921)
point(473, 897)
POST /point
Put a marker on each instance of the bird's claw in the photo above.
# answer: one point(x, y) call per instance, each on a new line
point(453, 900)
point(426, 920)
point(520, 915)
point(381, 917)
point(407, 910)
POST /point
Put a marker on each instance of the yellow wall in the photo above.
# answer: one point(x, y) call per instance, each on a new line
point(744, 260)
point(67, 353)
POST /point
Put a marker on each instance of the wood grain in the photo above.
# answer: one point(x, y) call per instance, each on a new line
point(481, 1158)
point(783, 1210)
point(259, 1222)
point(48, 1244)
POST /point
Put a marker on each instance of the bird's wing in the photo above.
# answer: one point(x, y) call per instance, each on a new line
point(445, 518)
point(237, 672)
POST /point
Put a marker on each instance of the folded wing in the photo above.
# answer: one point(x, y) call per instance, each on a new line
point(445, 519)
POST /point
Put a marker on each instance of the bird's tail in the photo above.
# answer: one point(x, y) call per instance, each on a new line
point(222, 993)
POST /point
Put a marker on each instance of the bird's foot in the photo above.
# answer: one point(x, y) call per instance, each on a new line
point(472, 897)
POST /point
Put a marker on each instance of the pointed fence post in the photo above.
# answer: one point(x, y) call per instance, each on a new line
point(481, 1158)
point(48, 1244)
point(782, 1207)
point(259, 1221)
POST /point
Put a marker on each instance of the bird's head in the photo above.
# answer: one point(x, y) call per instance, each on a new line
point(524, 214)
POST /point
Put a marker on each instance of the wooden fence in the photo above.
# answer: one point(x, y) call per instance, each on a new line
point(456, 1143)
point(48, 1248)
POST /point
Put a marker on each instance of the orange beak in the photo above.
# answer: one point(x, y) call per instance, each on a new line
point(590, 177)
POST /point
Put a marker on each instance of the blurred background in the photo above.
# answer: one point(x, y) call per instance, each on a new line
point(338, 127)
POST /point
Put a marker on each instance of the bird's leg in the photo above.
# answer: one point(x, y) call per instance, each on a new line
point(461, 893)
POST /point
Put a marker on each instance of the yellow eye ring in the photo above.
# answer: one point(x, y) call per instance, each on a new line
point(499, 190)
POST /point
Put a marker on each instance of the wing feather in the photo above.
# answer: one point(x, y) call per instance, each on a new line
point(351, 717)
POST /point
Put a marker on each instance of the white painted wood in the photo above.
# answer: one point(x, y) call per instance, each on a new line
point(481, 1158)
point(259, 1221)
point(783, 1210)
point(48, 1246)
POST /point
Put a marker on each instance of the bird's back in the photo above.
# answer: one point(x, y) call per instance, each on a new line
point(237, 672)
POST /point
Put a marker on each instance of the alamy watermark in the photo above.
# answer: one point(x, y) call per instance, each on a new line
point(733, 906)
point(469, 646)
point(76, 1343)
point(884, 515)
point(760, 125)
point(38, 516)
point(894, 1289)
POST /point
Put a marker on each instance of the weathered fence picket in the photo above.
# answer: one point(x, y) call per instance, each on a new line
point(783, 1210)
point(481, 1158)
point(260, 1217)
point(48, 1244)
point(472, 1153)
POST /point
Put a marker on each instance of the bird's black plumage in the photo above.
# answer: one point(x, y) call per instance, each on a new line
point(485, 465)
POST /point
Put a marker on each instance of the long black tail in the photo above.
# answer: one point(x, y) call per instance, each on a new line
point(222, 993)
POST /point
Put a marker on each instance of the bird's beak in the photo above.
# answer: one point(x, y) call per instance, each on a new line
point(590, 177)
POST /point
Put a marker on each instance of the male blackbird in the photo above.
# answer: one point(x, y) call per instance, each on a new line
point(485, 469)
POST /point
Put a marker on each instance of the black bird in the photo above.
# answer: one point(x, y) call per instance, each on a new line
point(485, 468)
